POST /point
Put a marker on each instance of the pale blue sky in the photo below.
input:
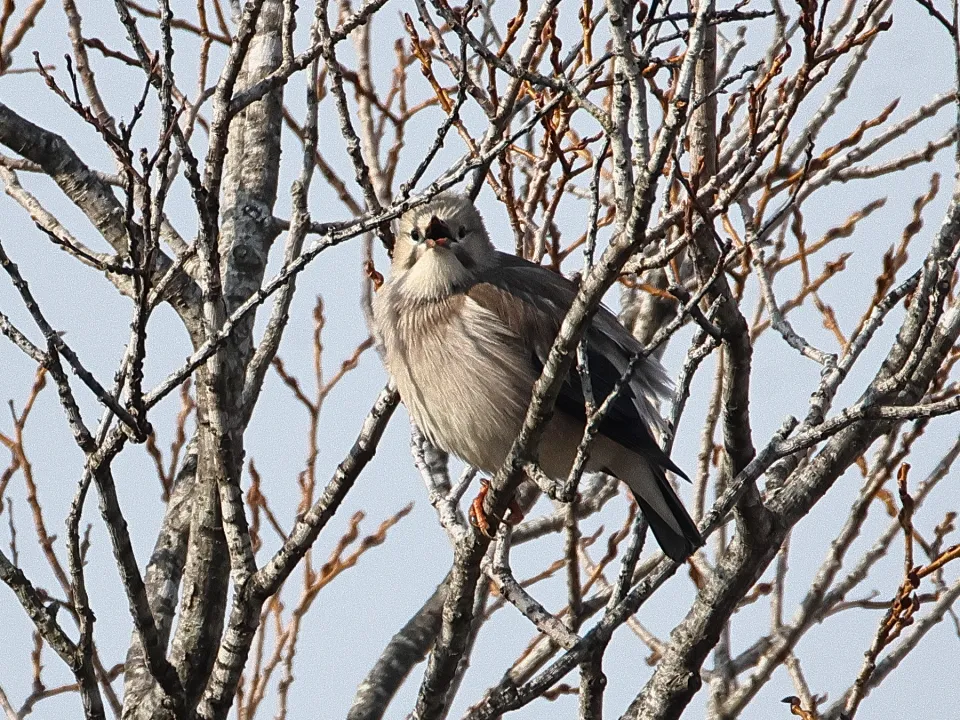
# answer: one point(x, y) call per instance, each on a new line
point(355, 616)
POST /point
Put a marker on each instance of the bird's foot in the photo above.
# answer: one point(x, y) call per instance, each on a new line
point(479, 517)
point(375, 277)
point(516, 512)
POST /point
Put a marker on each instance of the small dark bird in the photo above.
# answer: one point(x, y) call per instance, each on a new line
point(467, 330)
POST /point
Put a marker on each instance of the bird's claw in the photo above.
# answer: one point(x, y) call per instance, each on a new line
point(375, 277)
point(516, 512)
point(479, 517)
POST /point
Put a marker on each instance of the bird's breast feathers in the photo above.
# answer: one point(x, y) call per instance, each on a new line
point(460, 372)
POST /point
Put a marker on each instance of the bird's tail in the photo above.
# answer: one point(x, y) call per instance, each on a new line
point(672, 526)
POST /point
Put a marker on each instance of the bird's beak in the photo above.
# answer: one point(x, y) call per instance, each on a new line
point(438, 234)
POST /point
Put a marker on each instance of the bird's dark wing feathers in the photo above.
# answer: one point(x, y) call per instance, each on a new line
point(537, 319)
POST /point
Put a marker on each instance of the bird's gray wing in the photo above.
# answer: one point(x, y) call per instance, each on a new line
point(532, 301)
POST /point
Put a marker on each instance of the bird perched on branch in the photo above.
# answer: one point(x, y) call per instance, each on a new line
point(467, 331)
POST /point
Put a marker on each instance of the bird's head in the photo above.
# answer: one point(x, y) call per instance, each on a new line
point(441, 246)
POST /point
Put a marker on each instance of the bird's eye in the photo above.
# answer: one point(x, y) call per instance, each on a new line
point(461, 232)
point(415, 235)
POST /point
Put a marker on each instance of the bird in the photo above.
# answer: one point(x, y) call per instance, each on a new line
point(465, 332)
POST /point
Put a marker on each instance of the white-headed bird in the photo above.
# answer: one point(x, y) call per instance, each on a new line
point(467, 330)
